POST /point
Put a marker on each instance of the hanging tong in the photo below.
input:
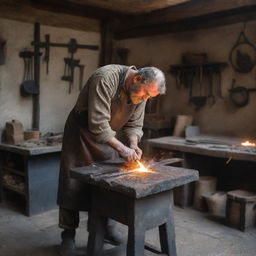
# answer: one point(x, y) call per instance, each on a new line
point(69, 71)
point(81, 76)
point(47, 52)
point(211, 98)
point(28, 86)
point(199, 101)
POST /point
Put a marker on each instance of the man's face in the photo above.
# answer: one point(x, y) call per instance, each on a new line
point(142, 92)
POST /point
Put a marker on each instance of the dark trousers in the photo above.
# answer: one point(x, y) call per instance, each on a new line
point(68, 219)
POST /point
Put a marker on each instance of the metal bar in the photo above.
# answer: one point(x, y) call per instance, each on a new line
point(36, 97)
point(117, 174)
point(80, 46)
point(105, 173)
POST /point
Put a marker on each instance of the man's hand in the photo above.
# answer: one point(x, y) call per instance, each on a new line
point(138, 151)
point(129, 154)
point(134, 145)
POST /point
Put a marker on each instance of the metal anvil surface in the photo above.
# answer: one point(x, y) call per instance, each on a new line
point(134, 184)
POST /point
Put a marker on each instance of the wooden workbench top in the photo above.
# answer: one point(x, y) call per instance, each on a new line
point(135, 184)
point(216, 146)
point(37, 150)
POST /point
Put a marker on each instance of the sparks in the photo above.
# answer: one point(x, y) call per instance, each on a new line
point(142, 167)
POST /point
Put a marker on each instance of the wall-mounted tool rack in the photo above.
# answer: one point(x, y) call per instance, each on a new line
point(72, 47)
point(200, 80)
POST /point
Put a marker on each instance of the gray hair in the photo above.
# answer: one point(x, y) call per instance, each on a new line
point(150, 74)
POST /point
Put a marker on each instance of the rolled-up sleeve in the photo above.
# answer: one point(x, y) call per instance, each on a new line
point(135, 123)
point(99, 112)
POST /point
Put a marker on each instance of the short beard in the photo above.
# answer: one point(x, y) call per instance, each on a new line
point(133, 90)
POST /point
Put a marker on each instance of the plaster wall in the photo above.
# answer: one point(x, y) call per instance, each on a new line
point(55, 101)
point(223, 118)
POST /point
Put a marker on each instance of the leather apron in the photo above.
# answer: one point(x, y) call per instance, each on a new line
point(80, 149)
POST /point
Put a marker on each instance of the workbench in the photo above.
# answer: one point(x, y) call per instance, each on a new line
point(141, 201)
point(221, 147)
point(36, 169)
point(223, 157)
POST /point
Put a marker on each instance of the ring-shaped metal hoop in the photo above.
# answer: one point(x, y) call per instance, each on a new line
point(238, 43)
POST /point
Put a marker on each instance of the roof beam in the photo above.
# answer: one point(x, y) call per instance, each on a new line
point(23, 10)
point(179, 16)
point(65, 6)
point(132, 6)
point(203, 22)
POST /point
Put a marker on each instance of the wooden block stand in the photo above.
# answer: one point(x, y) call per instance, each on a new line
point(141, 201)
point(139, 215)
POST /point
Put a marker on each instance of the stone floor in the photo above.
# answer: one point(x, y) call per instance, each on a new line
point(196, 235)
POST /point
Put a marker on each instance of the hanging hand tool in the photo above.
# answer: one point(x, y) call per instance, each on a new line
point(72, 46)
point(211, 98)
point(47, 52)
point(69, 69)
point(81, 76)
point(217, 70)
point(2, 52)
point(189, 75)
point(243, 61)
point(199, 101)
point(240, 95)
point(28, 87)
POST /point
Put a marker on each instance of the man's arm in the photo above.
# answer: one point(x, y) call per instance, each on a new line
point(133, 140)
point(127, 153)
point(100, 96)
point(134, 126)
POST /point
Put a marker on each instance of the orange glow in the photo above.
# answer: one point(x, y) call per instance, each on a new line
point(248, 144)
point(136, 167)
point(142, 168)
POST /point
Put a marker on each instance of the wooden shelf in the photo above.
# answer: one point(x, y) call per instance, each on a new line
point(204, 65)
point(14, 171)
point(12, 188)
point(38, 170)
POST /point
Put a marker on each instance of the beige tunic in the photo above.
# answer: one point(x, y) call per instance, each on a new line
point(100, 90)
point(102, 110)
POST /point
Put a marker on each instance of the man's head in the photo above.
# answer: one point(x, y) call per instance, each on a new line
point(146, 83)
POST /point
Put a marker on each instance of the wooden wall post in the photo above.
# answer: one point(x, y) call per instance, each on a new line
point(107, 42)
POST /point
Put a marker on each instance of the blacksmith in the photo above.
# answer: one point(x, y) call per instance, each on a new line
point(110, 106)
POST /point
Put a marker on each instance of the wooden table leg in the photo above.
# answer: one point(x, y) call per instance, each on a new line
point(96, 234)
point(136, 241)
point(167, 236)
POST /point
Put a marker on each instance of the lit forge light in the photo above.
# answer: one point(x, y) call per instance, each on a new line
point(248, 144)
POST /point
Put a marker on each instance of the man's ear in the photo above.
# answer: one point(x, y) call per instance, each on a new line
point(137, 78)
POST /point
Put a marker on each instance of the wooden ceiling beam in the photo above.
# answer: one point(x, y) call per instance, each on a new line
point(192, 9)
point(195, 23)
point(132, 6)
point(23, 10)
point(65, 6)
